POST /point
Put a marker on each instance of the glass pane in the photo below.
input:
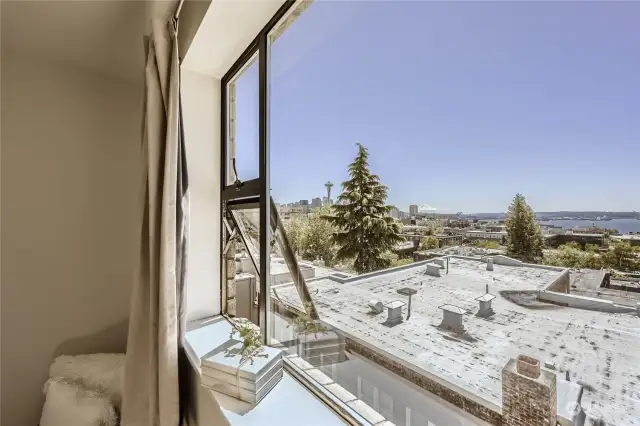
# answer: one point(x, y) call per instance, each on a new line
point(286, 303)
point(242, 264)
point(248, 222)
point(243, 113)
point(455, 178)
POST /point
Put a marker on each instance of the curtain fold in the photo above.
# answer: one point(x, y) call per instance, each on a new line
point(154, 378)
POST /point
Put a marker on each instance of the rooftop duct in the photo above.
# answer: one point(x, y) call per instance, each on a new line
point(433, 269)
point(452, 318)
point(490, 264)
point(485, 305)
point(439, 261)
point(394, 310)
point(375, 306)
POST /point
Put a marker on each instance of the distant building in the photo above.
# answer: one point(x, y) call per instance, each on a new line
point(556, 240)
point(290, 210)
point(459, 223)
point(395, 212)
point(305, 206)
point(500, 237)
point(449, 240)
point(413, 210)
point(633, 239)
point(316, 202)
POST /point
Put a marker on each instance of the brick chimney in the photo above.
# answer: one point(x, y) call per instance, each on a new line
point(529, 394)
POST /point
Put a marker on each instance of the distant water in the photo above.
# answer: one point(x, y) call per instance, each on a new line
point(622, 225)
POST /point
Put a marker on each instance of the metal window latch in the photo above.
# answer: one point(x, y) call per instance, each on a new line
point(238, 183)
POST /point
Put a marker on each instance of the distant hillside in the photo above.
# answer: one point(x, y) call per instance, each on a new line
point(573, 214)
point(590, 214)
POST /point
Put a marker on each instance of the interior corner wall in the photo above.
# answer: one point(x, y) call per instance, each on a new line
point(201, 112)
point(70, 188)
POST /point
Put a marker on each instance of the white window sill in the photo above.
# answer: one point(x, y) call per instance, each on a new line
point(289, 403)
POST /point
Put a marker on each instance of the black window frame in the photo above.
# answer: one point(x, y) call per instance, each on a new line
point(254, 190)
point(256, 193)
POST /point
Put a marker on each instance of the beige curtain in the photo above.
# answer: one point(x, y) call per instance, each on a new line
point(153, 374)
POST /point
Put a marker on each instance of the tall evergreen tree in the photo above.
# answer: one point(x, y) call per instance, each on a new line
point(524, 238)
point(365, 230)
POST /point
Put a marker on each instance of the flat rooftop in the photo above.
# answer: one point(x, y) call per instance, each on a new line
point(600, 350)
point(587, 282)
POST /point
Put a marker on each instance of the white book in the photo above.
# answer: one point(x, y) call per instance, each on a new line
point(228, 358)
point(210, 375)
point(243, 394)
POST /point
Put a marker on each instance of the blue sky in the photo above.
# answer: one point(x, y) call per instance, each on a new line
point(461, 104)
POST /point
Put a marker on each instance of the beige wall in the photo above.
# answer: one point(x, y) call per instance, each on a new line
point(70, 179)
point(201, 111)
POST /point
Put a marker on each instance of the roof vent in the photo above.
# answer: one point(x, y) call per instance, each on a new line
point(439, 261)
point(433, 269)
point(394, 310)
point(490, 264)
point(375, 306)
point(485, 305)
point(452, 318)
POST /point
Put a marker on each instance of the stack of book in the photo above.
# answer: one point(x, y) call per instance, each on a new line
point(248, 378)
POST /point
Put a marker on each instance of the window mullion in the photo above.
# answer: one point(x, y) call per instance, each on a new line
point(264, 305)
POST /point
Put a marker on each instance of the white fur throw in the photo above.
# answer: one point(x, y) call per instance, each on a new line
point(101, 372)
point(67, 403)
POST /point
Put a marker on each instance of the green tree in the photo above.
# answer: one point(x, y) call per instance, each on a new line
point(593, 261)
point(429, 242)
point(571, 255)
point(591, 248)
point(621, 256)
point(365, 231)
point(317, 240)
point(296, 228)
point(396, 260)
point(486, 244)
point(524, 238)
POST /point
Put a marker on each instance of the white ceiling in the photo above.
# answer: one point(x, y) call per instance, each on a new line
point(106, 36)
point(226, 31)
point(101, 35)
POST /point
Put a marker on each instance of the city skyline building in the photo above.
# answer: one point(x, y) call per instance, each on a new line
point(329, 185)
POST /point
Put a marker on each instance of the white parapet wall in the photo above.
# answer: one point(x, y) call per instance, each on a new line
point(439, 261)
point(561, 284)
point(582, 302)
point(500, 259)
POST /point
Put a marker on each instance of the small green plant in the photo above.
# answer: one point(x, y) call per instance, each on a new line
point(251, 337)
point(429, 242)
point(305, 324)
point(486, 244)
